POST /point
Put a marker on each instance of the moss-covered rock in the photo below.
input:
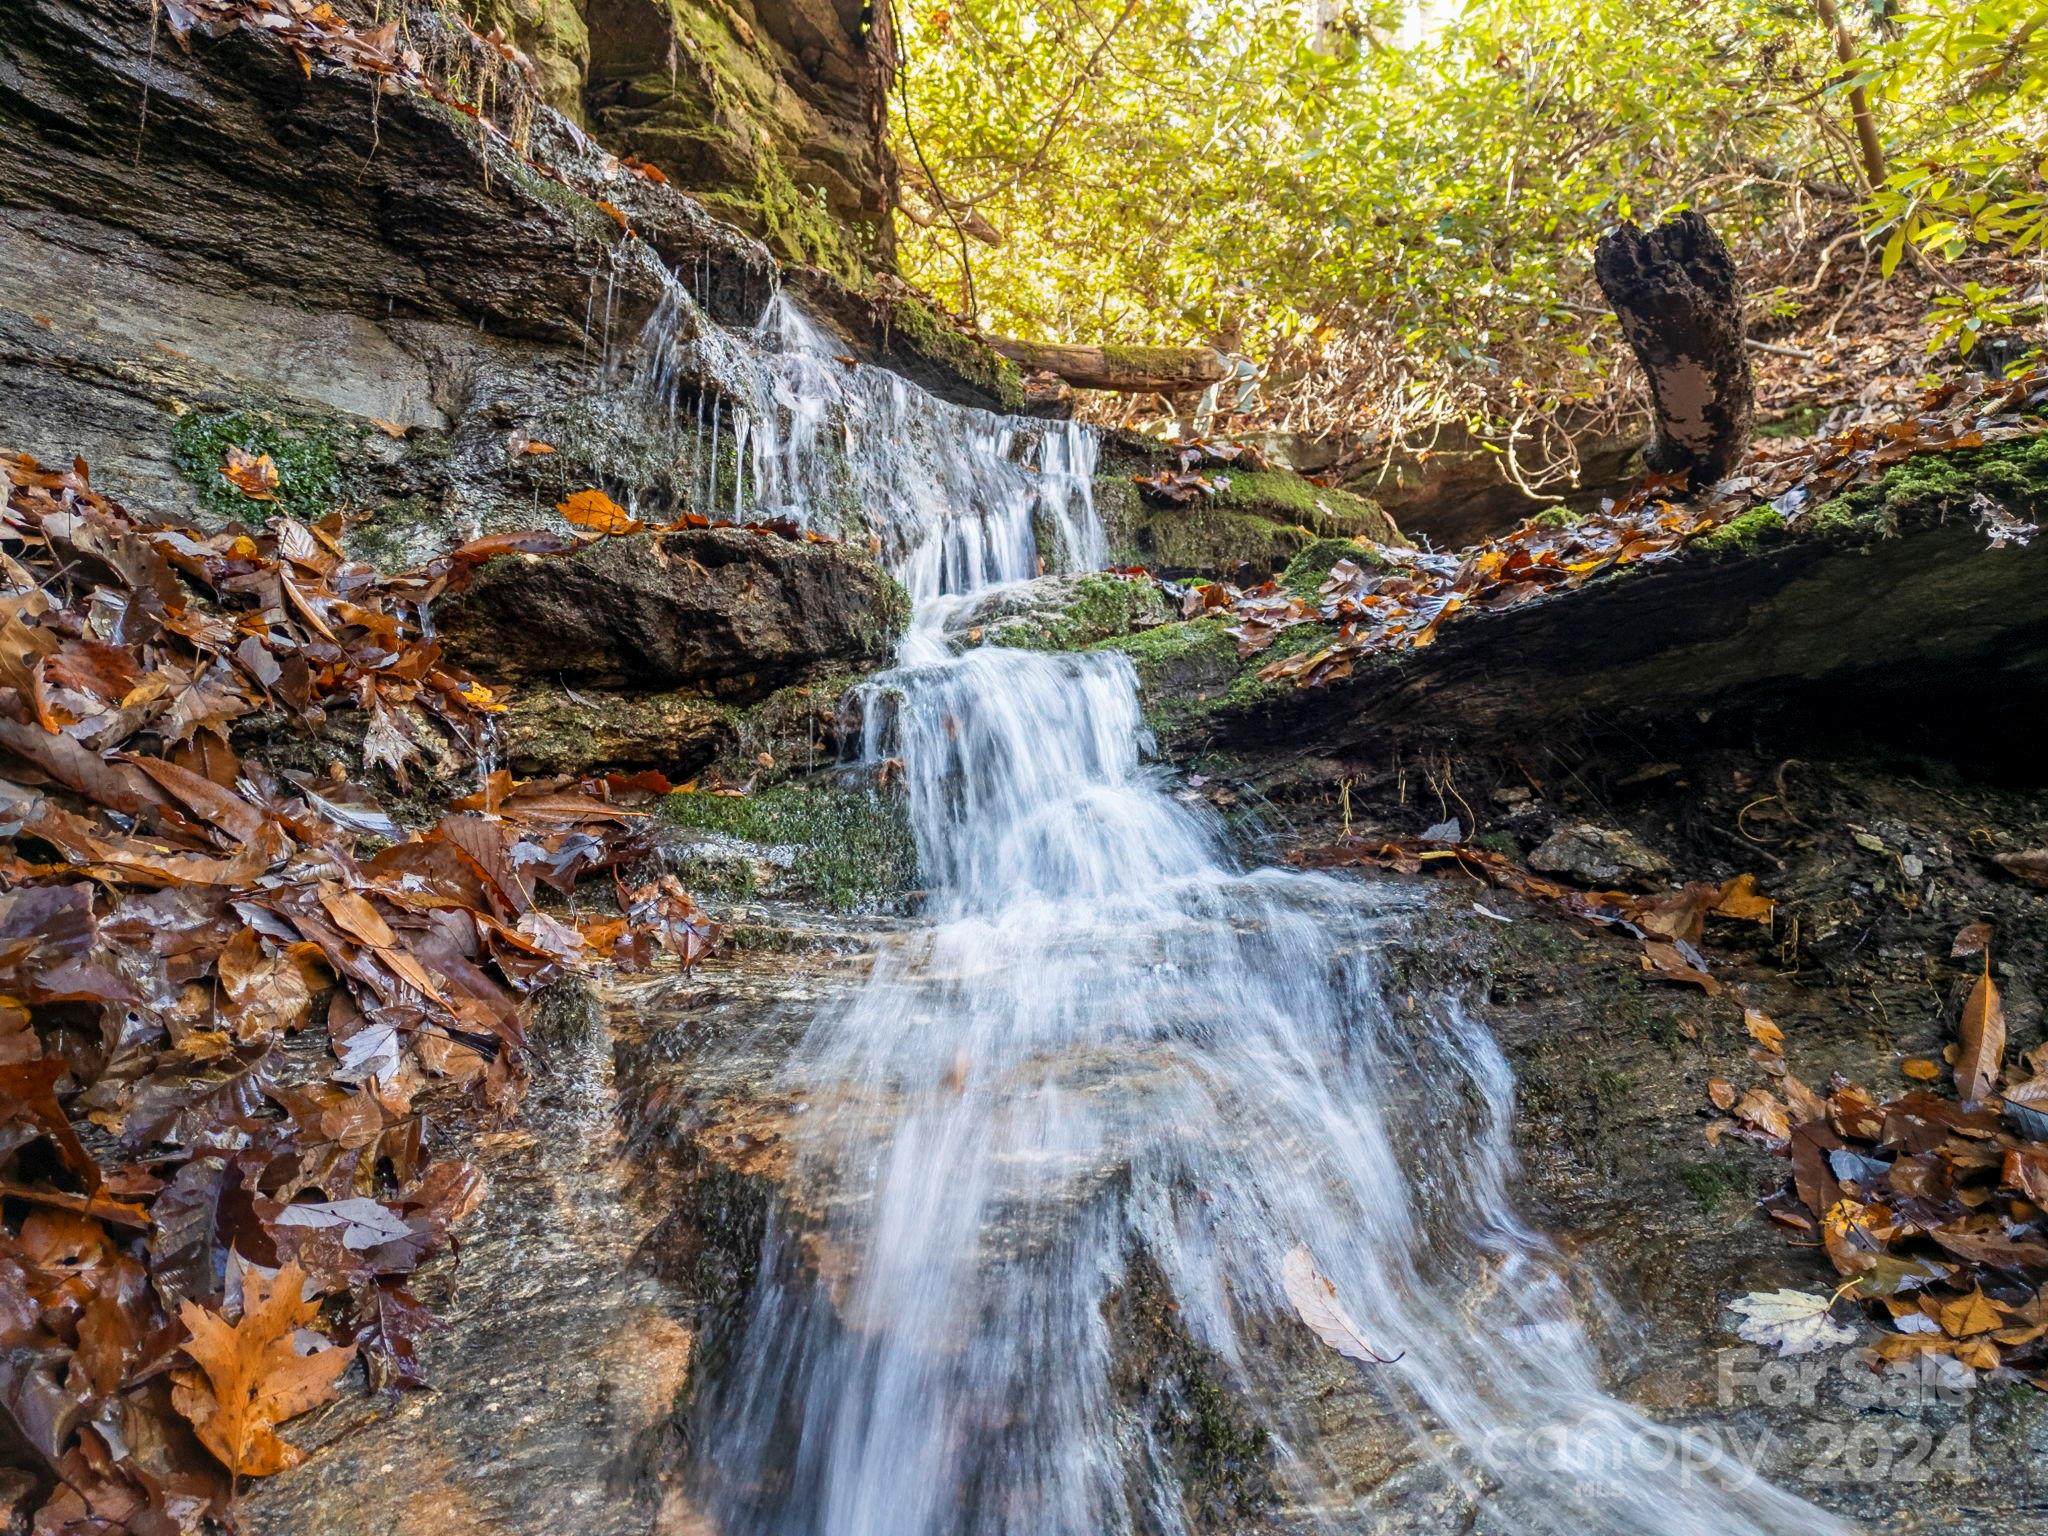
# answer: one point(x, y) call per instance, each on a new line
point(1931, 486)
point(303, 449)
point(1307, 571)
point(1252, 527)
point(1063, 613)
point(849, 848)
point(975, 362)
point(1742, 534)
point(551, 33)
point(769, 114)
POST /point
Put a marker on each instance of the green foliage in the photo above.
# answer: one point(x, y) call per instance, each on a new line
point(1397, 222)
point(308, 479)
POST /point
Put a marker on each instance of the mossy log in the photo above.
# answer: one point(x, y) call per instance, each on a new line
point(1125, 370)
point(1674, 291)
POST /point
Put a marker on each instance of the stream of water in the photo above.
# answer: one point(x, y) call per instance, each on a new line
point(1108, 1045)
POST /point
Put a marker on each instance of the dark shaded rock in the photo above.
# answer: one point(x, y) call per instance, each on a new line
point(722, 611)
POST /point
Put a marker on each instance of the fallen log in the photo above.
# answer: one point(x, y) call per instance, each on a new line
point(1673, 289)
point(1126, 370)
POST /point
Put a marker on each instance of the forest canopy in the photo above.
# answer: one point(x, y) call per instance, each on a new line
point(1389, 207)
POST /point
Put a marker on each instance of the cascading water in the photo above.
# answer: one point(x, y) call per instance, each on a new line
point(1108, 1040)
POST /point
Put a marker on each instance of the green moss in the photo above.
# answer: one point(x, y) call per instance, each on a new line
point(853, 846)
point(1714, 1184)
point(979, 364)
point(1099, 606)
point(1742, 534)
point(1802, 422)
point(1555, 517)
point(308, 479)
point(1306, 571)
point(1285, 496)
point(1929, 486)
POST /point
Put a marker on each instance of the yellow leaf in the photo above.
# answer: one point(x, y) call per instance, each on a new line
point(1739, 900)
point(1920, 1069)
point(1762, 1030)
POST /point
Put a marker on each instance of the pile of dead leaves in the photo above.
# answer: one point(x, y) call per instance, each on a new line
point(1669, 925)
point(1933, 1210)
point(1403, 601)
point(1186, 481)
point(240, 1008)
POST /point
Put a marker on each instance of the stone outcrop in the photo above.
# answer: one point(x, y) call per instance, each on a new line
point(638, 651)
point(733, 613)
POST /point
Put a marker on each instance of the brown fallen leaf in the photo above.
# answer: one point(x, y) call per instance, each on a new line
point(1759, 1109)
point(1739, 899)
point(1972, 940)
point(1720, 1093)
point(1983, 1040)
point(1920, 1069)
point(255, 1377)
point(2030, 866)
point(250, 473)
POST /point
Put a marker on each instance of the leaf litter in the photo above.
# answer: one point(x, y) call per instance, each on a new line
point(240, 1006)
point(1403, 603)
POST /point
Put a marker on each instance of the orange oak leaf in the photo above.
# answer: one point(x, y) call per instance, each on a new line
point(256, 1375)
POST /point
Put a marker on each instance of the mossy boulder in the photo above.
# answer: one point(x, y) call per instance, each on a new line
point(1307, 571)
point(769, 113)
point(1251, 527)
point(1062, 613)
point(848, 847)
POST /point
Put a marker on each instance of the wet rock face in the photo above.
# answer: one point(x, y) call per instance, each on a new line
point(723, 611)
point(769, 108)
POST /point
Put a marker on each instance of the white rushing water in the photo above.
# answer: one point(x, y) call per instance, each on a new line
point(1107, 1042)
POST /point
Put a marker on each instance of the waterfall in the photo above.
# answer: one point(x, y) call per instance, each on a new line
point(1107, 1040)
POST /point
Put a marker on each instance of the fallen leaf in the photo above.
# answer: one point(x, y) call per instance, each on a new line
point(1920, 1069)
point(255, 1378)
point(1791, 1322)
point(1983, 1040)
point(251, 474)
point(1739, 899)
point(1763, 1031)
point(2030, 866)
point(1971, 940)
point(1315, 1300)
point(596, 511)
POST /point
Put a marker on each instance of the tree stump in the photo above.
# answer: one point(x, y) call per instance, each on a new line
point(1674, 291)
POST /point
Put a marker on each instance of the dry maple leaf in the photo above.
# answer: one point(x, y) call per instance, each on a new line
point(250, 473)
point(255, 1377)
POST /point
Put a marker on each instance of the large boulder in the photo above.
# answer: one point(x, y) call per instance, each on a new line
point(722, 612)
